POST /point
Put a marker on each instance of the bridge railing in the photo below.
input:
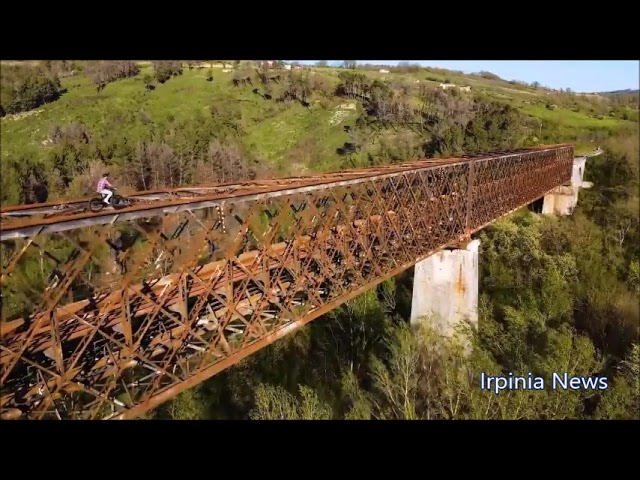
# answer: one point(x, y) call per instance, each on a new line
point(108, 315)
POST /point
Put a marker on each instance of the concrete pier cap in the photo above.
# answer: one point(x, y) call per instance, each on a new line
point(564, 199)
point(473, 246)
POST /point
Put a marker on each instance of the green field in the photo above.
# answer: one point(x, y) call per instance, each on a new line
point(122, 104)
point(270, 134)
point(573, 120)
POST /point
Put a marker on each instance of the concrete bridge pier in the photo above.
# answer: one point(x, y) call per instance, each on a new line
point(563, 200)
point(445, 288)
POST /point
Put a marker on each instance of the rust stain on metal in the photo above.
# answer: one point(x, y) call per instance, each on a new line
point(126, 309)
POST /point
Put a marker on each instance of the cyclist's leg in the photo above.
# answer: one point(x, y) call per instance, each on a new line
point(106, 195)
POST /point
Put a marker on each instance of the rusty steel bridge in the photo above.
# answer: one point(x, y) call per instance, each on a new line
point(107, 315)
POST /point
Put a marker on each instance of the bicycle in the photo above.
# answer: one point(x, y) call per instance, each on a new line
point(116, 201)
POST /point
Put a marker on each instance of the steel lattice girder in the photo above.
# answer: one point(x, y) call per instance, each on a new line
point(110, 317)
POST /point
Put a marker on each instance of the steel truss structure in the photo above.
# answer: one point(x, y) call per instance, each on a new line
point(108, 315)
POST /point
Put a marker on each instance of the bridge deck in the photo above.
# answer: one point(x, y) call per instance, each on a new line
point(107, 315)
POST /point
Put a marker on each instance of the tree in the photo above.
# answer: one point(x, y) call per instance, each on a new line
point(26, 88)
point(494, 126)
point(226, 118)
point(105, 72)
point(353, 85)
point(634, 276)
point(489, 75)
point(275, 403)
point(193, 63)
point(397, 381)
point(621, 401)
point(165, 69)
point(189, 405)
point(223, 163)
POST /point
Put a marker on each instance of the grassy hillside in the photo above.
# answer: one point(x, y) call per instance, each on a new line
point(126, 103)
point(307, 130)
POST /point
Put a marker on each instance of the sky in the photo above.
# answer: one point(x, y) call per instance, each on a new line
point(578, 75)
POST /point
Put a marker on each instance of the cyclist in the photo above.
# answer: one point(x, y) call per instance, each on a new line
point(104, 188)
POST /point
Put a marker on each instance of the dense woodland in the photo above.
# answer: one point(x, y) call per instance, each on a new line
point(557, 294)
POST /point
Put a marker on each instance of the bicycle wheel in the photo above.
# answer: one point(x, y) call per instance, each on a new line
point(96, 204)
point(117, 201)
